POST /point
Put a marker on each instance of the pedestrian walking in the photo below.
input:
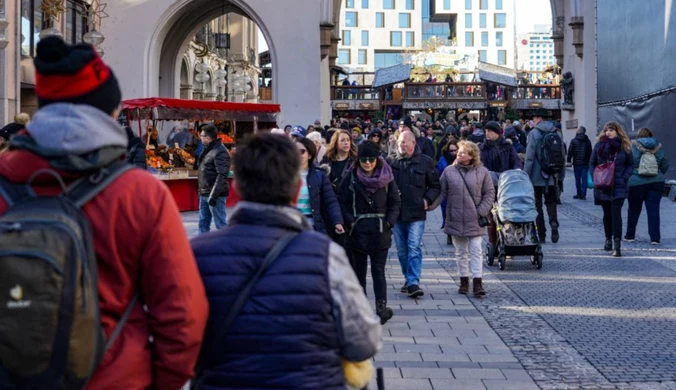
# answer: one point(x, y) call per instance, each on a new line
point(213, 166)
point(285, 309)
point(340, 155)
point(579, 154)
point(317, 200)
point(612, 154)
point(497, 155)
point(370, 202)
point(544, 157)
point(316, 137)
point(133, 276)
point(646, 184)
point(448, 155)
point(416, 177)
point(136, 149)
point(469, 190)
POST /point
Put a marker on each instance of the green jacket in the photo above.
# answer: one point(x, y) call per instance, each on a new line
point(640, 146)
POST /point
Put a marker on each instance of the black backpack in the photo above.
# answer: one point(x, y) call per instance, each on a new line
point(552, 156)
point(50, 325)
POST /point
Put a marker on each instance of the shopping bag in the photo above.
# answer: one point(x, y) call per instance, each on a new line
point(604, 176)
point(590, 180)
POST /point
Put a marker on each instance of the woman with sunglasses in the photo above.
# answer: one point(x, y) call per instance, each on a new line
point(316, 200)
point(376, 136)
point(370, 203)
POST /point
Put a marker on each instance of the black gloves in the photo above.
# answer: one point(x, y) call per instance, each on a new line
point(212, 202)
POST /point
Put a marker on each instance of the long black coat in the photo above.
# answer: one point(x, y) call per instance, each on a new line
point(417, 180)
point(213, 167)
point(509, 158)
point(624, 166)
point(365, 236)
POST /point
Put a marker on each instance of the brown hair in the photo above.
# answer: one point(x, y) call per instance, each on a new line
point(332, 149)
point(450, 142)
point(473, 150)
point(644, 133)
point(626, 143)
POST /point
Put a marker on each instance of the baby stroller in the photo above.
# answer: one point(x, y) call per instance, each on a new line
point(514, 215)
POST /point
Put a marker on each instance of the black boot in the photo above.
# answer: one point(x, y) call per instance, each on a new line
point(608, 246)
point(384, 312)
point(464, 285)
point(478, 288)
point(449, 240)
point(618, 243)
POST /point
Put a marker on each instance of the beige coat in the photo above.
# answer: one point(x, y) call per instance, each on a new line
point(462, 216)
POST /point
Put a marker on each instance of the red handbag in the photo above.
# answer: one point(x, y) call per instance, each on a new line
point(604, 175)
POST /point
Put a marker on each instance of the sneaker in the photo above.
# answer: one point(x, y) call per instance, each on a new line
point(415, 291)
point(627, 239)
point(576, 197)
point(655, 243)
point(404, 288)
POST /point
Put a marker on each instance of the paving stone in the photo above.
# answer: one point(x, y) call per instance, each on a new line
point(423, 373)
point(517, 375)
point(417, 348)
point(459, 365)
point(458, 384)
point(407, 384)
point(492, 384)
point(490, 357)
point(398, 357)
point(442, 357)
point(411, 332)
point(477, 373)
point(416, 364)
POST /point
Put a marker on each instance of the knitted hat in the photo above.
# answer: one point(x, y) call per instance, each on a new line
point(493, 126)
point(357, 129)
point(74, 74)
point(368, 149)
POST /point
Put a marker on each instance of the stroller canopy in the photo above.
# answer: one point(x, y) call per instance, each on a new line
point(516, 198)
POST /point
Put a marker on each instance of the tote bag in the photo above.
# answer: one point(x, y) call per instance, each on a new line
point(604, 175)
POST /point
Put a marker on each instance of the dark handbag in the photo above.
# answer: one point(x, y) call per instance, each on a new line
point(483, 221)
point(208, 351)
point(604, 175)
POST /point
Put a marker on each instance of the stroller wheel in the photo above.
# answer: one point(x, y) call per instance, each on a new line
point(490, 254)
point(533, 259)
point(501, 262)
point(538, 260)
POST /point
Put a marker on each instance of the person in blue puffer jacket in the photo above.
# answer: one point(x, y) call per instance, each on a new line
point(448, 154)
point(646, 187)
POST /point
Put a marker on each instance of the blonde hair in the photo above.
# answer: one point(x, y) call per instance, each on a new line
point(332, 149)
point(626, 143)
point(472, 149)
point(22, 118)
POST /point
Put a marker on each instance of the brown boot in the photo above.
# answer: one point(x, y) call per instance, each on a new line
point(464, 285)
point(478, 288)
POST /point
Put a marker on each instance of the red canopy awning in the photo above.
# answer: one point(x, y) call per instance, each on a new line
point(179, 109)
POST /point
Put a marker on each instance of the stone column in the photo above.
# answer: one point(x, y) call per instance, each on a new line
point(5, 57)
point(325, 92)
point(186, 91)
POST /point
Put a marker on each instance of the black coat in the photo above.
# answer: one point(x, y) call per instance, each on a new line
point(213, 167)
point(624, 166)
point(366, 236)
point(136, 153)
point(509, 158)
point(580, 150)
point(417, 180)
point(426, 146)
point(323, 201)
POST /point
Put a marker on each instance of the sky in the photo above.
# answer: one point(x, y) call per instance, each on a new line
point(528, 14)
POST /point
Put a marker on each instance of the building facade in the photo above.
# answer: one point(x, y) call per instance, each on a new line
point(535, 50)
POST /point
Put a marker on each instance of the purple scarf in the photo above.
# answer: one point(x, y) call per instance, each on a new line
point(609, 147)
point(382, 176)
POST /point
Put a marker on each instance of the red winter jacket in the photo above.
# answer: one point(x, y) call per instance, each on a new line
point(141, 245)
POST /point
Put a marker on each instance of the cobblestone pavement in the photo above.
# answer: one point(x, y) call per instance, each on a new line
point(585, 321)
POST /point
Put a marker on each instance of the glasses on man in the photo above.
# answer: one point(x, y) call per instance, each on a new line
point(369, 160)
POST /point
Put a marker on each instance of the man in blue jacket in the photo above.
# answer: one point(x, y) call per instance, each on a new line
point(305, 313)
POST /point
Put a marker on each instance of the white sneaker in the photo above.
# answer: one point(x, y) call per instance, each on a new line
point(655, 243)
point(629, 239)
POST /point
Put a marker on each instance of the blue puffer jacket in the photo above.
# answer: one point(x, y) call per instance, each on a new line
point(325, 208)
point(285, 336)
point(655, 147)
point(623, 169)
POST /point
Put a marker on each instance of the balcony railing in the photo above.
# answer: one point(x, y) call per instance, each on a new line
point(539, 91)
point(471, 91)
point(354, 92)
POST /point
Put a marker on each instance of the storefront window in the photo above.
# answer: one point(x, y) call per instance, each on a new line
point(32, 23)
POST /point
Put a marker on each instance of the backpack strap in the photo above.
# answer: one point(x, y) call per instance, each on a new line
point(86, 188)
point(11, 193)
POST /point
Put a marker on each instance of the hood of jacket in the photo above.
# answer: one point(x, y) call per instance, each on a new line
point(478, 132)
point(648, 143)
point(510, 132)
point(545, 126)
point(416, 132)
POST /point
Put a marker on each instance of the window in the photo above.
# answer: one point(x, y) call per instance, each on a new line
point(395, 38)
point(350, 19)
point(483, 4)
point(385, 59)
point(361, 57)
point(404, 20)
point(500, 20)
point(410, 39)
point(365, 4)
point(483, 56)
point(482, 20)
point(365, 38)
point(484, 39)
point(410, 4)
point(32, 22)
point(347, 37)
point(468, 20)
point(502, 57)
point(498, 4)
point(380, 19)
point(343, 56)
point(76, 21)
point(498, 39)
point(349, 3)
point(468, 4)
point(469, 39)
point(388, 4)
point(447, 4)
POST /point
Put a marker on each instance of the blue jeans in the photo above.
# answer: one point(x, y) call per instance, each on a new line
point(651, 194)
point(408, 236)
point(581, 172)
point(207, 212)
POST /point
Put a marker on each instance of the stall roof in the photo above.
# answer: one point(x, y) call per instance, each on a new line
point(392, 75)
point(177, 109)
point(497, 74)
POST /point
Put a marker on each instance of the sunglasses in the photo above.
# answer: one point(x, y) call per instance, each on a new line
point(369, 160)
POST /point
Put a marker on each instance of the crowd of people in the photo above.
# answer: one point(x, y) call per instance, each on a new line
point(276, 297)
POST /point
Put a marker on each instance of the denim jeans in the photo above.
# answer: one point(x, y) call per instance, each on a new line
point(408, 236)
point(207, 212)
point(651, 194)
point(581, 172)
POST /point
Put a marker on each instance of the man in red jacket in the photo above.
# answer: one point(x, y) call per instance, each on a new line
point(139, 243)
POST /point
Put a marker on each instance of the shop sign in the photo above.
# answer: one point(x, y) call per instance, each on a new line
point(341, 106)
point(571, 124)
point(535, 104)
point(366, 106)
point(497, 104)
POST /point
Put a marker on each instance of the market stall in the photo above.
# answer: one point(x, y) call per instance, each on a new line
point(169, 129)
